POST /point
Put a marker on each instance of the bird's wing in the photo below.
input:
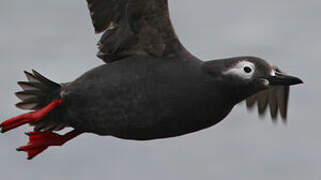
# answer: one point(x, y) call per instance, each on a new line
point(276, 98)
point(133, 27)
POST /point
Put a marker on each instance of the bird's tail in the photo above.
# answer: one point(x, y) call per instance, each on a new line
point(43, 96)
point(37, 92)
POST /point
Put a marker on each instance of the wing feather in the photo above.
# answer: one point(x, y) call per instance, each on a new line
point(275, 98)
point(133, 27)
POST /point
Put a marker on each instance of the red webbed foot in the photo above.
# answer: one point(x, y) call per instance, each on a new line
point(29, 117)
point(40, 141)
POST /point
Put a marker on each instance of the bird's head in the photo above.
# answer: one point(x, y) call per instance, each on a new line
point(245, 76)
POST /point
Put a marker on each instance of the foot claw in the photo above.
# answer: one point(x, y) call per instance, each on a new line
point(34, 152)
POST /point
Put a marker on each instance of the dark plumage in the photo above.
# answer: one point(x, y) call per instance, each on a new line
point(152, 87)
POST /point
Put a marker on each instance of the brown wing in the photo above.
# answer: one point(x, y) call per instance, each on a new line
point(275, 98)
point(133, 27)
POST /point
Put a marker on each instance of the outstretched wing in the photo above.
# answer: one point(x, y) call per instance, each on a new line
point(133, 27)
point(275, 98)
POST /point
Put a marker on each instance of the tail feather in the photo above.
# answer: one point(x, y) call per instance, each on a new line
point(31, 78)
point(30, 104)
point(30, 86)
point(44, 80)
point(37, 91)
point(28, 94)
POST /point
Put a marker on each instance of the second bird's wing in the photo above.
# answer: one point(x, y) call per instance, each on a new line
point(133, 27)
point(275, 98)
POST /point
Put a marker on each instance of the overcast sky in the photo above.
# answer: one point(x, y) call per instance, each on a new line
point(57, 39)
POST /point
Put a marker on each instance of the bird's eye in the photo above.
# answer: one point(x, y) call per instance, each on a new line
point(247, 69)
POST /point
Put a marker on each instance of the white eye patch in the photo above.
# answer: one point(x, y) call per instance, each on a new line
point(243, 69)
point(274, 70)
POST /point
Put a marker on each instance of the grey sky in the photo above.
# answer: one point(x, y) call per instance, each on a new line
point(57, 39)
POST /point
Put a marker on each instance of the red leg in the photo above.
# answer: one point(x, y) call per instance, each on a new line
point(29, 117)
point(40, 141)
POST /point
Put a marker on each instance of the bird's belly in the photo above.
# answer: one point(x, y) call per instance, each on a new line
point(141, 118)
point(171, 126)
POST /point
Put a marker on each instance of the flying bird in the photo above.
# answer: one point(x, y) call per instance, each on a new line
point(149, 87)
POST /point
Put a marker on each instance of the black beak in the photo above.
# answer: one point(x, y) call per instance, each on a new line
point(281, 79)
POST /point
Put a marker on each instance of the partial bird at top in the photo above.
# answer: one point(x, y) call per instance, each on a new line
point(150, 87)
